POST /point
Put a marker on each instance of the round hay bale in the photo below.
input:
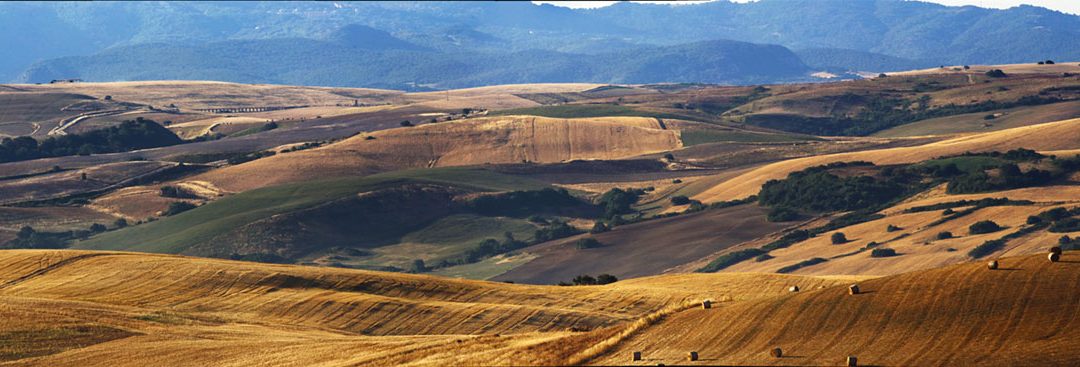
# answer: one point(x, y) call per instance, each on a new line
point(852, 361)
point(993, 265)
point(793, 288)
point(637, 356)
point(1054, 257)
point(853, 289)
point(777, 353)
point(692, 356)
point(706, 304)
point(1055, 250)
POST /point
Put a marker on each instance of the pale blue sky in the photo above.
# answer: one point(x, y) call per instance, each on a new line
point(1065, 6)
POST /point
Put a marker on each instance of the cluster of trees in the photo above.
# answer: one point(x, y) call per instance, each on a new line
point(586, 279)
point(1008, 175)
point(816, 189)
point(491, 247)
point(28, 237)
point(522, 203)
point(128, 135)
point(616, 202)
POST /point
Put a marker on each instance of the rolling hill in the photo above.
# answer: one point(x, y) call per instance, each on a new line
point(170, 309)
point(510, 139)
point(1021, 314)
point(147, 308)
point(1059, 135)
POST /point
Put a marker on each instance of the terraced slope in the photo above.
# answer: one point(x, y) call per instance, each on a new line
point(127, 309)
point(506, 139)
point(1025, 313)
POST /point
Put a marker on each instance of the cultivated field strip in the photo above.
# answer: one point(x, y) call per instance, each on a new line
point(357, 302)
point(1022, 314)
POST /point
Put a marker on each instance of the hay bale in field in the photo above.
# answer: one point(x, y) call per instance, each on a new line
point(1055, 250)
point(793, 288)
point(1054, 257)
point(853, 289)
point(637, 356)
point(777, 353)
point(993, 265)
point(706, 304)
point(692, 356)
point(852, 361)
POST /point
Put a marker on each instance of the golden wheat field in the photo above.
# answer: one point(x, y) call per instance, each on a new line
point(108, 308)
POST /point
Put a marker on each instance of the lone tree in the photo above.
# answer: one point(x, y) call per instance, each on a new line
point(839, 238)
point(996, 73)
point(944, 235)
point(418, 266)
point(406, 123)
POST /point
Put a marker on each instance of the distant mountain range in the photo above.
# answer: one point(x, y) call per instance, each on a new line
point(451, 44)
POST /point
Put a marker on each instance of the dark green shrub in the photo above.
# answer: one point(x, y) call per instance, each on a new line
point(731, 258)
point(882, 252)
point(944, 235)
point(892, 228)
point(680, 200)
point(838, 238)
point(599, 227)
point(97, 227)
point(985, 226)
point(178, 207)
point(800, 265)
point(587, 243)
point(605, 279)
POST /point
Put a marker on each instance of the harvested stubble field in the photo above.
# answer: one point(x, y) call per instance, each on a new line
point(1022, 314)
point(134, 309)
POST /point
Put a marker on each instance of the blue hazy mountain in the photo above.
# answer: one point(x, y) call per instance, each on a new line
point(388, 43)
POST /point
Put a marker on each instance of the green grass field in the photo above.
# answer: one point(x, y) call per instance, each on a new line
point(445, 239)
point(176, 233)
